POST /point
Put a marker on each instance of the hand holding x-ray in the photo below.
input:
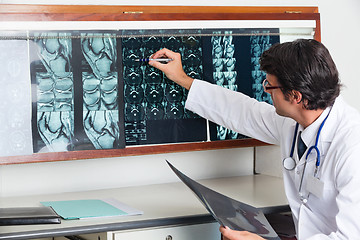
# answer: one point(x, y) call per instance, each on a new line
point(229, 234)
point(248, 221)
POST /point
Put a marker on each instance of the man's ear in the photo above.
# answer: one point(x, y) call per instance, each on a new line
point(297, 96)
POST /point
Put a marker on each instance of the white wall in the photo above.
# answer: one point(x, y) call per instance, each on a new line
point(82, 175)
point(340, 26)
point(339, 19)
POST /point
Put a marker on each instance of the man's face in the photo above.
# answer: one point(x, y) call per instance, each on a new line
point(282, 106)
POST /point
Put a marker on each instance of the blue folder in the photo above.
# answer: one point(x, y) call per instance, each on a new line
point(89, 208)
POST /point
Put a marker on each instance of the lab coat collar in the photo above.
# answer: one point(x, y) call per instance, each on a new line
point(332, 122)
point(309, 134)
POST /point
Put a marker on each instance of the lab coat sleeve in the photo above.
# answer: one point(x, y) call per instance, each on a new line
point(347, 184)
point(348, 199)
point(235, 111)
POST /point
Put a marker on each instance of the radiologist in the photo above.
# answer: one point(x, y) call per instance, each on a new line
point(318, 133)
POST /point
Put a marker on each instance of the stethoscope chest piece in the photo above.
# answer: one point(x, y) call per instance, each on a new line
point(289, 163)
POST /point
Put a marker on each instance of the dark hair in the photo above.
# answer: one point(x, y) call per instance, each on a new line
point(304, 65)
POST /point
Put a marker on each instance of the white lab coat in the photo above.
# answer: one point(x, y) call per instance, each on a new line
point(334, 214)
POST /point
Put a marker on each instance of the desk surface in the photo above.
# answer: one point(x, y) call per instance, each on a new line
point(162, 204)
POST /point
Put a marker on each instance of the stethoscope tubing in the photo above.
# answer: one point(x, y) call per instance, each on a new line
point(314, 147)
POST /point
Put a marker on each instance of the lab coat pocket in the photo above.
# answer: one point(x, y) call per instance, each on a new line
point(315, 186)
point(327, 203)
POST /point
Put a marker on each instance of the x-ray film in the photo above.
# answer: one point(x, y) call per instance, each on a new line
point(229, 212)
point(15, 98)
point(154, 105)
point(88, 92)
point(77, 92)
point(233, 63)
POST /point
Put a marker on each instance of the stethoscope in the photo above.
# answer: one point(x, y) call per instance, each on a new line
point(289, 163)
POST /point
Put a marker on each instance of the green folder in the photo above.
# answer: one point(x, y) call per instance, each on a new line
point(89, 208)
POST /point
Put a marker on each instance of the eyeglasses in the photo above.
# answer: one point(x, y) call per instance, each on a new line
point(266, 85)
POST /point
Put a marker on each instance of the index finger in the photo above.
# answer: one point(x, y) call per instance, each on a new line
point(164, 53)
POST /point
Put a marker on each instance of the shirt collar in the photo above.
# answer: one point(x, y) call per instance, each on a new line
point(309, 134)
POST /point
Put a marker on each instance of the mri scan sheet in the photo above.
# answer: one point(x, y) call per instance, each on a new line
point(88, 90)
point(15, 99)
point(78, 93)
point(229, 212)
